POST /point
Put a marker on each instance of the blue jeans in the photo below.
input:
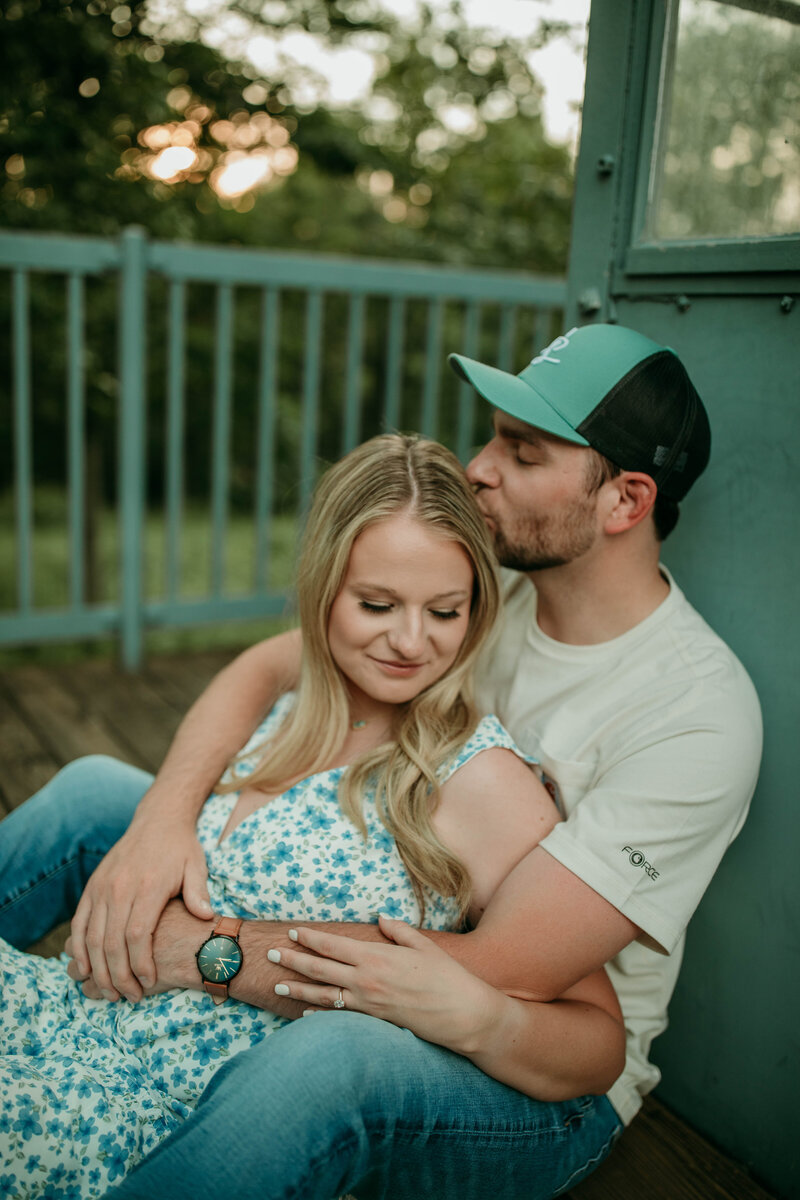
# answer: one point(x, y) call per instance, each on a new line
point(336, 1102)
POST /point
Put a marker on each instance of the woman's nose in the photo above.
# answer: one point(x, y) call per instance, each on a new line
point(407, 636)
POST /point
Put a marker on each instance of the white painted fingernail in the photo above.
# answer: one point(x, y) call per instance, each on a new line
point(274, 955)
point(281, 989)
point(293, 935)
point(308, 1012)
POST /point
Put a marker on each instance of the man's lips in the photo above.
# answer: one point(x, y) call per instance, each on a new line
point(487, 516)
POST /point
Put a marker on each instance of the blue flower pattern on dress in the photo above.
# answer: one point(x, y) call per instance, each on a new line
point(88, 1088)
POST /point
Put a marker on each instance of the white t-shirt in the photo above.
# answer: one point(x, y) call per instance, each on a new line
point(651, 745)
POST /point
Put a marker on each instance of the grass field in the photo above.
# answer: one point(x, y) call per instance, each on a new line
point(51, 582)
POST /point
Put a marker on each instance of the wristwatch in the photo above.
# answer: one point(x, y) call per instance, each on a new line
point(220, 958)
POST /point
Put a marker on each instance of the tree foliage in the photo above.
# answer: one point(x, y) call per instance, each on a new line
point(445, 159)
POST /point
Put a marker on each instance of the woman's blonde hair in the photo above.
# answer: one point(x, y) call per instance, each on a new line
point(386, 476)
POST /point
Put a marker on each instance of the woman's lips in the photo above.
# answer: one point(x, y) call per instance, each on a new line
point(397, 668)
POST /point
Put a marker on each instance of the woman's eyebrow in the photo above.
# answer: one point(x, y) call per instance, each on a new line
point(454, 596)
point(381, 588)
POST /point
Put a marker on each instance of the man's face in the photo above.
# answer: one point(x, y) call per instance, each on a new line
point(536, 495)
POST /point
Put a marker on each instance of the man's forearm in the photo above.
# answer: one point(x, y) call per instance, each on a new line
point(551, 1050)
point(219, 723)
point(542, 932)
point(179, 936)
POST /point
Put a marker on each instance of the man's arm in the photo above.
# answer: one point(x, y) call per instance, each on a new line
point(543, 931)
point(549, 1050)
point(159, 857)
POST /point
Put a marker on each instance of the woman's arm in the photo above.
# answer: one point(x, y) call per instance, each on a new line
point(493, 812)
point(159, 857)
point(551, 1050)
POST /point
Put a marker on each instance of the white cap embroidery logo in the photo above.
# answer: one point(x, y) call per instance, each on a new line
point(560, 343)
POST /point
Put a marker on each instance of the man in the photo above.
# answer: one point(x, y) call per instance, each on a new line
point(648, 734)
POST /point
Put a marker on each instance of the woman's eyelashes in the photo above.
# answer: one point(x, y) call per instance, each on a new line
point(449, 614)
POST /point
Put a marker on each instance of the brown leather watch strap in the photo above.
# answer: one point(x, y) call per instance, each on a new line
point(217, 991)
point(225, 927)
point(228, 926)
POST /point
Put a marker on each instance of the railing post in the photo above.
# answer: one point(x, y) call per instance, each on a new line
point(23, 438)
point(132, 373)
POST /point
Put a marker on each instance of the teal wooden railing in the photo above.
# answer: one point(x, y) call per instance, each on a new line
point(349, 326)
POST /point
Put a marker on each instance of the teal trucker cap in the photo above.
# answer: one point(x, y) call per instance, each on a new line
point(611, 388)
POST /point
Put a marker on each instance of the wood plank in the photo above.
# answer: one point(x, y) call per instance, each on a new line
point(663, 1159)
point(181, 679)
point(129, 707)
point(60, 718)
point(27, 763)
point(51, 945)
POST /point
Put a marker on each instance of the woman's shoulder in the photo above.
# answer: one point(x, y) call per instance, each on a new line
point(489, 734)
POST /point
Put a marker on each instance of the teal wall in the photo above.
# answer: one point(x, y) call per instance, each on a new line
point(731, 1056)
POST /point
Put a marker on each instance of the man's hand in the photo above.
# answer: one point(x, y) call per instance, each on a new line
point(177, 936)
point(112, 930)
point(159, 857)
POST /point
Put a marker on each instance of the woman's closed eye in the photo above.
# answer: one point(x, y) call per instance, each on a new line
point(441, 614)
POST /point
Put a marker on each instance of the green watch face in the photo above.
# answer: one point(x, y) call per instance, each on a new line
point(219, 959)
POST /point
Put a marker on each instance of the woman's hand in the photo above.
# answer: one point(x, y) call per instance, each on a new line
point(112, 930)
point(412, 983)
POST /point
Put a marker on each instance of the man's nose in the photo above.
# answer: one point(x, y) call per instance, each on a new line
point(482, 471)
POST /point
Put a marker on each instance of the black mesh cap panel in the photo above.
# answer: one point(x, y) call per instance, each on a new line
point(653, 421)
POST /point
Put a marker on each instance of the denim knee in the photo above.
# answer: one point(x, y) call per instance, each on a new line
point(88, 804)
point(90, 778)
point(93, 791)
point(50, 845)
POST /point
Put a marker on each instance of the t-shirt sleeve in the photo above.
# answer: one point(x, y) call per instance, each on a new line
point(649, 834)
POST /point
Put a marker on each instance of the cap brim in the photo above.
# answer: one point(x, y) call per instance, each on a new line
point(514, 396)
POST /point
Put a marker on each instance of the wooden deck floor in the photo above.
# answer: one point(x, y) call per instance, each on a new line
point(48, 717)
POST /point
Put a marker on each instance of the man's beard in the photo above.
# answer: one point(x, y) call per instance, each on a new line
point(547, 543)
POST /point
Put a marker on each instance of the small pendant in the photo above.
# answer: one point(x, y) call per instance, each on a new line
point(358, 724)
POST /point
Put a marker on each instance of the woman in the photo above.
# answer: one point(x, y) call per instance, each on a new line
point(359, 793)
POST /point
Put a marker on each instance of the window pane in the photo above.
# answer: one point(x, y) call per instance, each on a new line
point(726, 160)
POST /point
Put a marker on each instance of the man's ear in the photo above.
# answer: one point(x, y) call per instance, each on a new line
point(634, 495)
